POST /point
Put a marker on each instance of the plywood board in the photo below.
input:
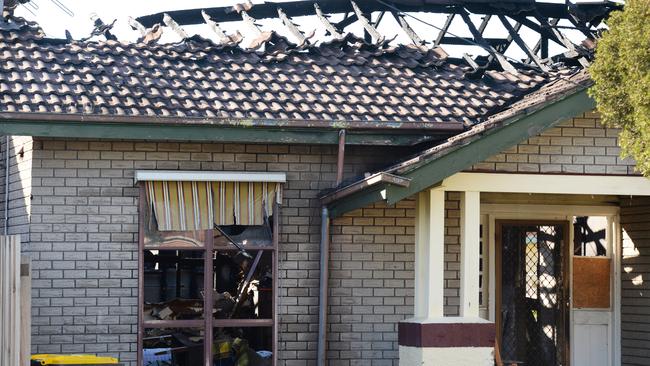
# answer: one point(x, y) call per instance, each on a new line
point(591, 282)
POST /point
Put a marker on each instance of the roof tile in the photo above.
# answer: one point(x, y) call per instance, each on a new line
point(339, 80)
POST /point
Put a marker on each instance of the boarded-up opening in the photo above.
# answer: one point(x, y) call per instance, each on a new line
point(591, 282)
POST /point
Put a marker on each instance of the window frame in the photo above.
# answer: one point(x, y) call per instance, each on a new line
point(207, 323)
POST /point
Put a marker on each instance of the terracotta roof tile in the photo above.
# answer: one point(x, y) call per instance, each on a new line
point(338, 80)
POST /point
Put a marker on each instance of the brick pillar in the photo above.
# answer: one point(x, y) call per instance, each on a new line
point(429, 338)
point(448, 341)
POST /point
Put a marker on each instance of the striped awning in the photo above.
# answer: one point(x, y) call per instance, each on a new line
point(190, 205)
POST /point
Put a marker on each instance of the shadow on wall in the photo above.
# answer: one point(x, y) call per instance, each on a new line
point(635, 300)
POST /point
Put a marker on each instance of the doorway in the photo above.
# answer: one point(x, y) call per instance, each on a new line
point(532, 314)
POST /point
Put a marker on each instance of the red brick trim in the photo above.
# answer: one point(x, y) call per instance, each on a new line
point(446, 334)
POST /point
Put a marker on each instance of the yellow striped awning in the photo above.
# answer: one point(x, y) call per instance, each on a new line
point(190, 206)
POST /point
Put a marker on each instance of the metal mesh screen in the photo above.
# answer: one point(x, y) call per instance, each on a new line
point(532, 295)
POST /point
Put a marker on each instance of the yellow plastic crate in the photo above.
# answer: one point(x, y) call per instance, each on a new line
point(72, 360)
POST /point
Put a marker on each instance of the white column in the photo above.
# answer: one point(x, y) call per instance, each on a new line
point(470, 221)
point(429, 254)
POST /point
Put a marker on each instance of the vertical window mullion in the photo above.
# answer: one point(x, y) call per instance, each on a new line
point(208, 278)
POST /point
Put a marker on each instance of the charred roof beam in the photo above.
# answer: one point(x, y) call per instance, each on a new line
point(331, 29)
point(293, 29)
point(366, 24)
point(520, 42)
point(407, 29)
point(478, 37)
point(444, 30)
point(306, 7)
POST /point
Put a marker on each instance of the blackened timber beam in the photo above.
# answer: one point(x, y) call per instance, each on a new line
point(347, 21)
point(470, 61)
point(542, 44)
point(586, 31)
point(306, 7)
point(379, 19)
point(484, 23)
point(478, 37)
point(520, 42)
point(543, 28)
point(573, 50)
point(407, 29)
point(293, 29)
point(331, 29)
point(504, 47)
point(369, 28)
point(444, 30)
point(223, 38)
point(469, 41)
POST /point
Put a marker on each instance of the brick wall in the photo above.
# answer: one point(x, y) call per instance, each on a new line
point(371, 283)
point(577, 146)
point(84, 238)
point(84, 224)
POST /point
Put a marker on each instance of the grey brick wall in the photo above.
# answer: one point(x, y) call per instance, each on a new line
point(577, 146)
point(84, 236)
point(371, 283)
point(84, 224)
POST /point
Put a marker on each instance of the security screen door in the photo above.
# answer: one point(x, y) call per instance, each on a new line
point(532, 320)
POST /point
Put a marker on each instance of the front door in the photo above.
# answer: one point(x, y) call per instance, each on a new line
point(532, 314)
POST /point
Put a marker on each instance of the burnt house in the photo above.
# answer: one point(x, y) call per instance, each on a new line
point(347, 201)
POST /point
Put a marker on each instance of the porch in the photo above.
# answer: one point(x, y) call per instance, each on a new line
point(562, 305)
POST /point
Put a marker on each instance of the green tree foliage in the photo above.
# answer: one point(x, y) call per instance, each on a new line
point(621, 73)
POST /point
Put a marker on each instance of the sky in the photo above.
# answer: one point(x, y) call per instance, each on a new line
point(76, 18)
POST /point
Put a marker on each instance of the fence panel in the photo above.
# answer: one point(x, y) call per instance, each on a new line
point(10, 310)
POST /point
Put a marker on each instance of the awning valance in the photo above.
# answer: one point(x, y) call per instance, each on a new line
point(199, 205)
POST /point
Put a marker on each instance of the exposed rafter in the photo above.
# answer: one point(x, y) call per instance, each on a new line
point(520, 42)
point(541, 18)
point(507, 66)
point(443, 31)
point(407, 29)
point(366, 24)
point(293, 29)
point(331, 29)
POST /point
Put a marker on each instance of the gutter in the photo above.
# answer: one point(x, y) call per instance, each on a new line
point(443, 127)
point(382, 177)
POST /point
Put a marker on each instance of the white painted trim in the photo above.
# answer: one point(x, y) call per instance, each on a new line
point(436, 254)
point(548, 183)
point(492, 289)
point(430, 254)
point(470, 221)
point(209, 176)
point(564, 212)
point(547, 211)
point(421, 291)
point(617, 254)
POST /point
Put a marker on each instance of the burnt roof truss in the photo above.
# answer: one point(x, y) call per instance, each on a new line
point(546, 20)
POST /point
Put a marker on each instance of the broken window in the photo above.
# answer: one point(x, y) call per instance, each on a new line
point(591, 263)
point(589, 233)
point(208, 266)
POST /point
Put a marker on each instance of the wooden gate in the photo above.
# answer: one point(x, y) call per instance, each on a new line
point(15, 304)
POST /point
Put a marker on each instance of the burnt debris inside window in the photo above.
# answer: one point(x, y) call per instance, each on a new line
point(207, 294)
